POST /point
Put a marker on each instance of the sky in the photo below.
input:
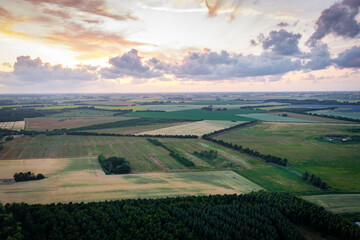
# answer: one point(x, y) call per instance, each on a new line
point(121, 46)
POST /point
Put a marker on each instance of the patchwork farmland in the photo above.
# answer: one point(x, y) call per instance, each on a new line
point(81, 179)
point(68, 158)
point(337, 164)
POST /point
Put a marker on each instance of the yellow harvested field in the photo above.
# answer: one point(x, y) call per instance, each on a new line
point(196, 128)
point(17, 125)
point(81, 179)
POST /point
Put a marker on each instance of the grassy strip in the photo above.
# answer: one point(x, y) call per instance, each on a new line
point(180, 159)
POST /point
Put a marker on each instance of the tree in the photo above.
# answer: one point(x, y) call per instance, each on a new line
point(323, 185)
point(306, 176)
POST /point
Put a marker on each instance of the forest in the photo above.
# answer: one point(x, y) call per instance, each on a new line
point(257, 215)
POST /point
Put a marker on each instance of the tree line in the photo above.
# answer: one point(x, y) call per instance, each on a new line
point(311, 102)
point(315, 180)
point(257, 215)
point(241, 125)
point(182, 160)
point(129, 135)
point(254, 153)
point(335, 117)
point(114, 165)
point(63, 131)
point(27, 176)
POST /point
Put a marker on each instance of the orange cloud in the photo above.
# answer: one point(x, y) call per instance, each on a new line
point(96, 7)
point(7, 21)
point(89, 43)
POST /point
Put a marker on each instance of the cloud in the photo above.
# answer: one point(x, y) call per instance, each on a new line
point(63, 26)
point(57, 13)
point(282, 42)
point(224, 66)
point(350, 58)
point(6, 64)
point(96, 7)
point(319, 57)
point(214, 6)
point(89, 42)
point(129, 65)
point(339, 19)
point(34, 70)
point(282, 24)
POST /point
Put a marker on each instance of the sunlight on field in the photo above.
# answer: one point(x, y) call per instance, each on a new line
point(18, 125)
point(197, 128)
point(81, 179)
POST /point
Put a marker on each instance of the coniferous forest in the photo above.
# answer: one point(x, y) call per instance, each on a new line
point(257, 215)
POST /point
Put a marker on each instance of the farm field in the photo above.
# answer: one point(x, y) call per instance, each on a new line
point(337, 203)
point(84, 113)
point(145, 157)
point(309, 117)
point(137, 129)
point(81, 179)
point(142, 155)
point(50, 123)
point(337, 164)
point(17, 125)
point(269, 177)
point(354, 115)
point(195, 114)
point(110, 103)
point(274, 118)
point(59, 107)
point(196, 128)
point(134, 108)
point(273, 107)
point(181, 107)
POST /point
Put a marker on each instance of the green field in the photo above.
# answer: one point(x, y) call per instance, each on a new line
point(354, 115)
point(337, 203)
point(59, 107)
point(146, 157)
point(81, 179)
point(138, 129)
point(83, 113)
point(50, 123)
point(272, 118)
point(195, 114)
point(142, 155)
point(337, 164)
point(270, 177)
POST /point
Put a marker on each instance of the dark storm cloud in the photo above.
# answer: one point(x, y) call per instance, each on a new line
point(350, 58)
point(128, 64)
point(282, 42)
point(339, 19)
